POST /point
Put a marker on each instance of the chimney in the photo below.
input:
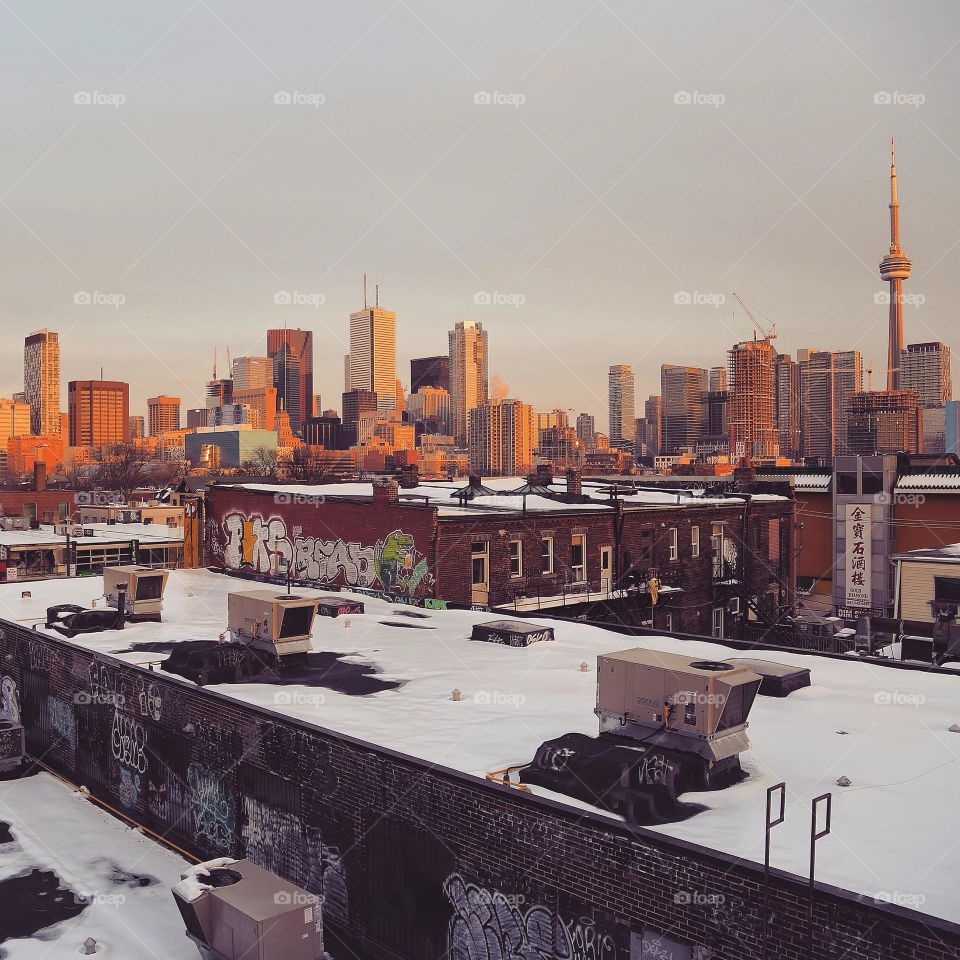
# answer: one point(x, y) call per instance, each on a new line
point(573, 483)
point(386, 492)
point(545, 474)
point(39, 476)
point(409, 476)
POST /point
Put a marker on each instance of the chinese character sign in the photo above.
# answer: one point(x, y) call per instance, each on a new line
point(858, 557)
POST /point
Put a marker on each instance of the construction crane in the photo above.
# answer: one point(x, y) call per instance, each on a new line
point(767, 334)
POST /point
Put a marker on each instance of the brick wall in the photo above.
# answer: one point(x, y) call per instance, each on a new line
point(414, 861)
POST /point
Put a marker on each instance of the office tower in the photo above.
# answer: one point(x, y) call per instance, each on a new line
point(827, 379)
point(325, 431)
point(291, 352)
point(622, 406)
point(41, 381)
point(717, 379)
point(586, 429)
point(653, 419)
point(884, 421)
point(373, 351)
point(346, 372)
point(925, 367)
point(355, 404)
point(501, 437)
point(252, 373)
point(430, 372)
point(469, 384)
point(716, 432)
point(752, 412)
point(14, 420)
point(198, 417)
point(163, 415)
point(430, 407)
point(786, 375)
point(99, 412)
point(138, 428)
point(262, 402)
point(895, 268)
point(683, 395)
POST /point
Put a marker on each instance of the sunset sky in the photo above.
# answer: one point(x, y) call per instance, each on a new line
point(623, 158)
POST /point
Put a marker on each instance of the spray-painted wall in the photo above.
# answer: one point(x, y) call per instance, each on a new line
point(413, 861)
point(385, 548)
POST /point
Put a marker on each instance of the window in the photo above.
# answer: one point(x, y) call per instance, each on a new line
point(946, 589)
point(694, 541)
point(646, 547)
point(847, 482)
point(716, 622)
point(668, 622)
point(578, 554)
point(516, 558)
point(674, 548)
point(546, 556)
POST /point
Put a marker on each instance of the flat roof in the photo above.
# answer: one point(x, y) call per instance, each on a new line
point(949, 552)
point(886, 729)
point(104, 534)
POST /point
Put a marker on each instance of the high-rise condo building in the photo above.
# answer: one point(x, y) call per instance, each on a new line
point(252, 373)
point(884, 421)
point(653, 425)
point(291, 352)
point(786, 374)
point(683, 393)
point(14, 420)
point(41, 381)
point(469, 383)
point(925, 367)
point(373, 352)
point(622, 405)
point(586, 429)
point(99, 412)
point(502, 437)
point(430, 372)
point(355, 404)
point(163, 415)
point(827, 379)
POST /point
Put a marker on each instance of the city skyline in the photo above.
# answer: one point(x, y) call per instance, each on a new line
point(786, 192)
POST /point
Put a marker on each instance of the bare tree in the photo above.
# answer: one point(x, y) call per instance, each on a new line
point(121, 467)
point(262, 463)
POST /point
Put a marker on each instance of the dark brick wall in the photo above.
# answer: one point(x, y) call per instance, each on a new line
point(414, 861)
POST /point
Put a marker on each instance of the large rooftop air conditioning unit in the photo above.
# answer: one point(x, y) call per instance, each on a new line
point(676, 701)
point(142, 588)
point(669, 724)
point(276, 623)
point(235, 910)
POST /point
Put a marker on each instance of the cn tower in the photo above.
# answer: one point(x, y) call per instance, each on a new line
point(895, 268)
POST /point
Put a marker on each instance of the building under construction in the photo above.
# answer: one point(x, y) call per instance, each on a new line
point(752, 410)
point(884, 421)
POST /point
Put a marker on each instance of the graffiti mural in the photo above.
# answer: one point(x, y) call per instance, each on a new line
point(9, 700)
point(62, 721)
point(393, 565)
point(214, 820)
point(492, 925)
point(128, 741)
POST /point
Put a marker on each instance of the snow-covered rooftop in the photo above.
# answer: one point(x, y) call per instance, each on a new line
point(929, 482)
point(102, 533)
point(884, 728)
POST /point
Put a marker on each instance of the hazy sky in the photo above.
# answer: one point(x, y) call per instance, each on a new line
point(583, 201)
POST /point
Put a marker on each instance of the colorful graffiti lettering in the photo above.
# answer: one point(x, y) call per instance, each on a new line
point(263, 545)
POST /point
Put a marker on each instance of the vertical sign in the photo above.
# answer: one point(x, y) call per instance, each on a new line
point(857, 561)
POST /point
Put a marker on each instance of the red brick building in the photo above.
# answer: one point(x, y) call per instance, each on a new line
point(717, 561)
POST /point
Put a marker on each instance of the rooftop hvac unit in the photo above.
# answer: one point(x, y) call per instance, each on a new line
point(235, 910)
point(142, 588)
point(11, 745)
point(276, 623)
point(14, 523)
point(696, 705)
